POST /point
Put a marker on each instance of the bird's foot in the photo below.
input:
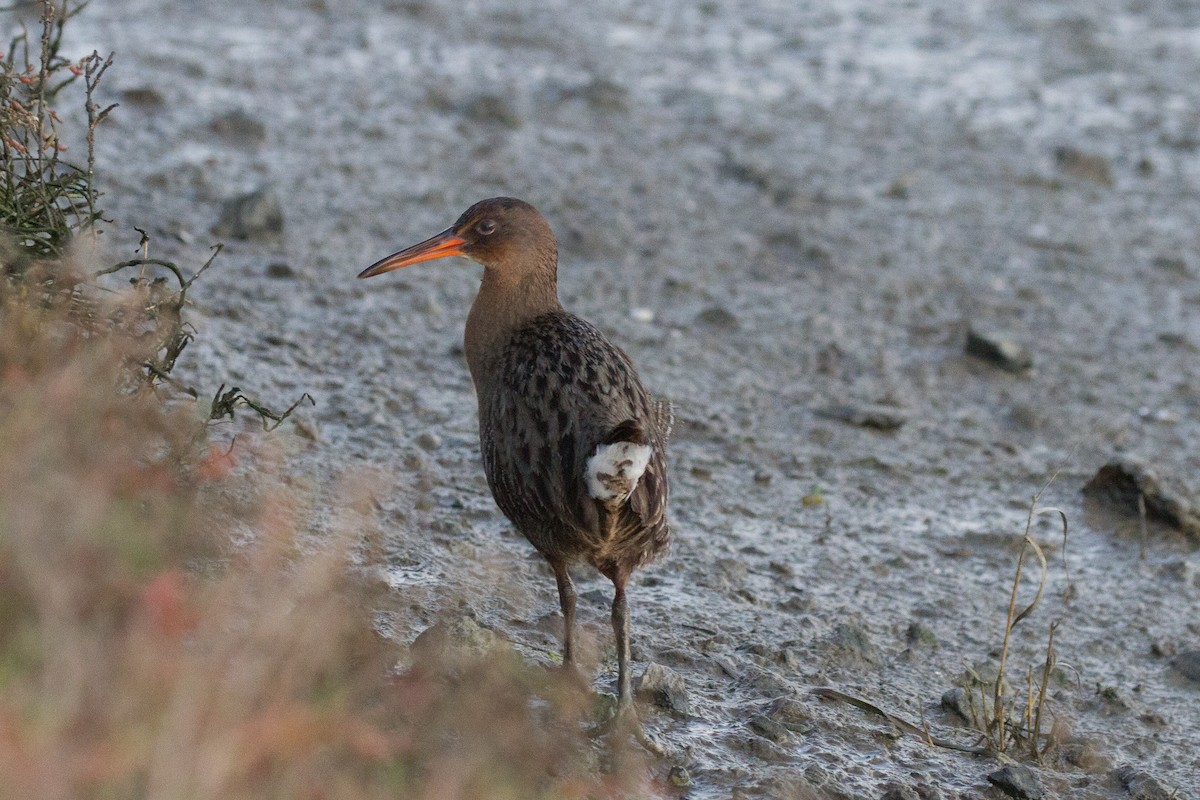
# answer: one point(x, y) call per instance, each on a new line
point(625, 723)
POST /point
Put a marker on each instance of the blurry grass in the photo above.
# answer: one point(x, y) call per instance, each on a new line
point(143, 654)
point(169, 628)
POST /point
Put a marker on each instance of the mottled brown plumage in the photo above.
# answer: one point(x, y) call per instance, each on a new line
point(554, 393)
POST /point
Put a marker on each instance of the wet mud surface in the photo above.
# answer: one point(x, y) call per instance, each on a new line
point(790, 215)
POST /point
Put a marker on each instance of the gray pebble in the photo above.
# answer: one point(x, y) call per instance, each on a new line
point(665, 688)
point(719, 318)
point(280, 269)
point(881, 418)
point(428, 440)
point(900, 793)
point(970, 704)
point(254, 216)
point(1086, 166)
point(454, 639)
point(1123, 480)
point(998, 349)
point(1187, 664)
point(769, 729)
point(240, 127)
point(850, 645)
point(1143, 786)
point(1017, 781)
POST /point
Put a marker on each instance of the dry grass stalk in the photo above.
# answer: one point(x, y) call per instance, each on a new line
point(999, 732)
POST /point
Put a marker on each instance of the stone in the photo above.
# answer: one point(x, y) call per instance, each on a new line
point(718, 318)
point(768, 728)
point(1017, 781)
point(456, 639)
point(143, 96)
point(1086, 166)
point(1123, 480)
point(878, 417)
point(1141, 785)
point(970, 704)
point(1187, 664)
point(257, 215)
point(791, 714)
point(428, 440)
point(998, 349)
point(919, 635)
point(239, 126)
point(664, 687)
point(851, 646)
point(280, 270)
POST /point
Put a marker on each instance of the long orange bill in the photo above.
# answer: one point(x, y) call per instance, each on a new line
point(444, 244)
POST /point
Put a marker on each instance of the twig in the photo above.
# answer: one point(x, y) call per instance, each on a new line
point(900, 723)
point(1047, 668)
point(225, 402)
point(1144, 532)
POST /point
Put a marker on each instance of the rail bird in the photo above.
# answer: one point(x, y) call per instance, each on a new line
point(573, 444)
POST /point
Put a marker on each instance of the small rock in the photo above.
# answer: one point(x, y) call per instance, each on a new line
point(605, 95)
point(919, 635)
point(1187, 664)
point(1113, 700)
point(769, 729)
point(428, 440)
point(881, 418)
point(1143, 786)
point(1084, 754)
point(279, 269)
point(144, 96)
point(679, 776)
point(665, 688)
point(972, 705)
point(253, 216)
point(851, 646)
point(460, 638)
point(899, 188)
point(896, 792)
point(791, 714)
point(769, 683)
point(1120, 482)
point(597, 597)
point(1172, 264)
point(1017, 781)
point(492, 109)
point(998, 349)
point(240, 127)
point(1086, 166)
point(719, 318)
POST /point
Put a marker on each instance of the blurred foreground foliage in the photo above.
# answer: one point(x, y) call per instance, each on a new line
point(168, 628)
point(145, 654)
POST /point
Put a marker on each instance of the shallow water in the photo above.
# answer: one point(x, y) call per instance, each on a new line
point(854, 183)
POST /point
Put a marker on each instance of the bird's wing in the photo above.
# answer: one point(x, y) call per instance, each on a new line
point(564, 388)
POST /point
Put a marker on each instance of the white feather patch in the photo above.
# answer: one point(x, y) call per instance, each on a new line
point(614, 470)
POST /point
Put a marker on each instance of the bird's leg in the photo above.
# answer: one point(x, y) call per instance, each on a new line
point(566, 599)
point(626, 716)
point(620, 623)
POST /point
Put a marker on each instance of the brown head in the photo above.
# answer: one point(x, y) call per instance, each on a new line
point(507, 236)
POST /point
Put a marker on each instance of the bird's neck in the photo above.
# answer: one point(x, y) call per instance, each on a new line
point(503, 306)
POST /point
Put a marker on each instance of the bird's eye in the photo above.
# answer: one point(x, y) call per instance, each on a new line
point(486, 227)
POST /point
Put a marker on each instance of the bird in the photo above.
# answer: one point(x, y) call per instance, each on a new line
point(573, 445)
